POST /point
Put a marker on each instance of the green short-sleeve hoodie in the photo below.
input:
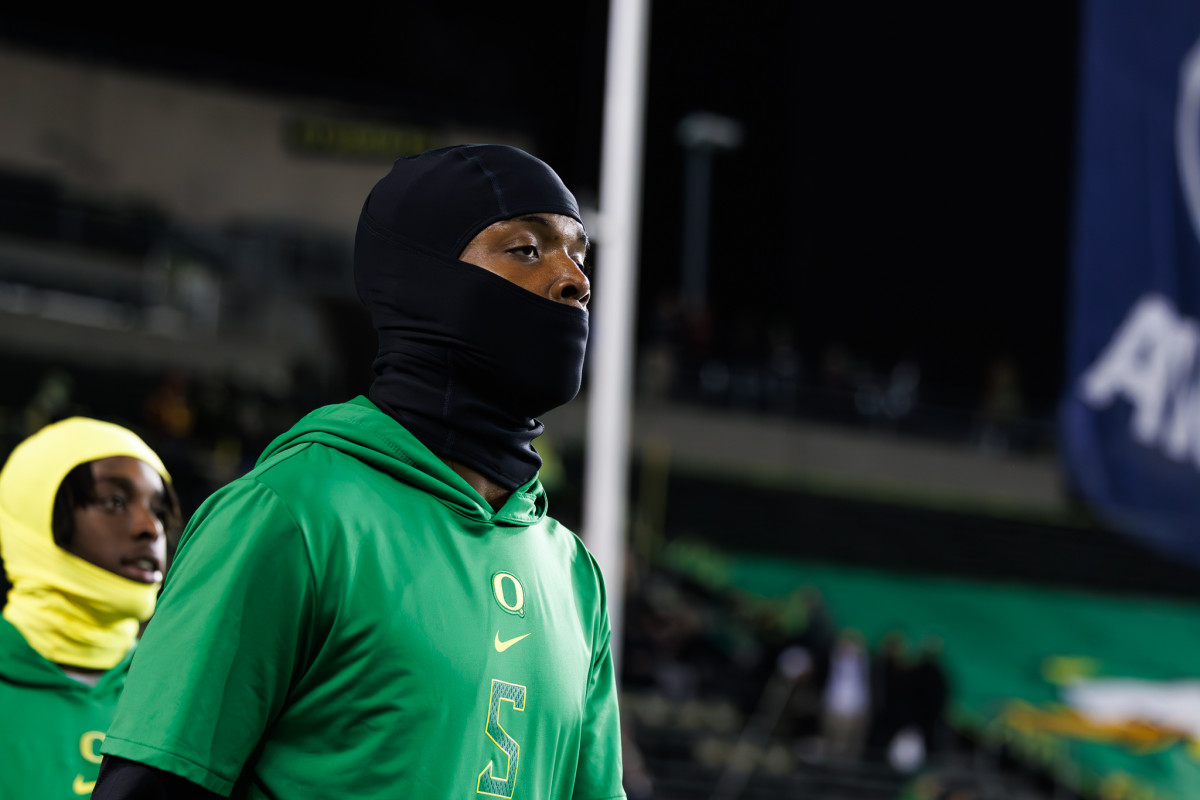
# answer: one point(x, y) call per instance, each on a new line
point(351, 619)
point(51, 725)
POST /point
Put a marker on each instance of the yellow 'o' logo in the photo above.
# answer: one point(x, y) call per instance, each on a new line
point(89, 746)
point(509, 593)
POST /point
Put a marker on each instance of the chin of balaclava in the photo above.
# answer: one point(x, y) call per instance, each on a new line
point(467, 360)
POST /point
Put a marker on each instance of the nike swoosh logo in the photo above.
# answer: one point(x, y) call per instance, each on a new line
point(502, 646)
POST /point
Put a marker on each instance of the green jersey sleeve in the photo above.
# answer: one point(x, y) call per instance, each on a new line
point(231, 632)
point(599, 773)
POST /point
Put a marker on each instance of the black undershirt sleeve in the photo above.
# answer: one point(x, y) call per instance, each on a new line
point(121, 779)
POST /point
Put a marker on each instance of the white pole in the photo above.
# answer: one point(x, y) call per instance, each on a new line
point(610, 394)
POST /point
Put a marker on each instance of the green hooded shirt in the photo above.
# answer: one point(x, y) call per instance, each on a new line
point(352, 620)
point(52, 725)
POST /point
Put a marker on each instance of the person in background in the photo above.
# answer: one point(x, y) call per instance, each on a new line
point(382, 607)
point(931, 694)
point(891, 675)
point(85, 510)
point(846, 712)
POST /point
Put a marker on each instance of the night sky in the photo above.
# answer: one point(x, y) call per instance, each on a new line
point(903, 187)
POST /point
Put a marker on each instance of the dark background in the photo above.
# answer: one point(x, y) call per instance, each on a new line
point(903, 188)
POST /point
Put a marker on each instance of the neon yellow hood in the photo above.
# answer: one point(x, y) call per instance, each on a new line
point(68, 609)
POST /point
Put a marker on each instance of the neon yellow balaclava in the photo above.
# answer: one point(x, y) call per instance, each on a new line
point(69, 610)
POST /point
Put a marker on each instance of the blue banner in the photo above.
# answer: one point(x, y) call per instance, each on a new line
point(1131, 408)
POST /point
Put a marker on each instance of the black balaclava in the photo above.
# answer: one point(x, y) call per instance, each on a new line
point(466, 359)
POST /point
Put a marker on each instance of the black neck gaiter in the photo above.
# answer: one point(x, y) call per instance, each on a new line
point(467, 360)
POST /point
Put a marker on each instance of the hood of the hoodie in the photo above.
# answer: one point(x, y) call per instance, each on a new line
point(359, 429)
point(68, 609)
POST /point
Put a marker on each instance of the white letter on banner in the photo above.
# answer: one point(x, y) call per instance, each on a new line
point(1180, 428)
point(1191, 413)
point(1136, 365)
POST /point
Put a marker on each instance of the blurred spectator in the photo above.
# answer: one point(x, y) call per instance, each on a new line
point(797, 630)
point(170, 418)
point(170, 413)
point(1002, 406)
point(818, 632)
point(216, 432)
point(660, 352)
point(892, 681)
point(846, 714)
point(903, 389)
point(747, 364)
point(912, 692)
point(784, 370)
point(837, 384)
point(661, 625)
point(931, 689)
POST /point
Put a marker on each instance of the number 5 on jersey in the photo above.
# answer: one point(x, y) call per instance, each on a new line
point(489, 784)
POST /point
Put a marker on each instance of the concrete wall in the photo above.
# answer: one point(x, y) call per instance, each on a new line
point(826, 459)
point(206, 154)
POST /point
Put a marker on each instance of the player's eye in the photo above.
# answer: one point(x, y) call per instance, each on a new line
point(113, 503)
point(526, 250)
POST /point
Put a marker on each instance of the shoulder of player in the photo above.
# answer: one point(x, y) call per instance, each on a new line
point(312, 471)
point(585, 571)
point(326, 491)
